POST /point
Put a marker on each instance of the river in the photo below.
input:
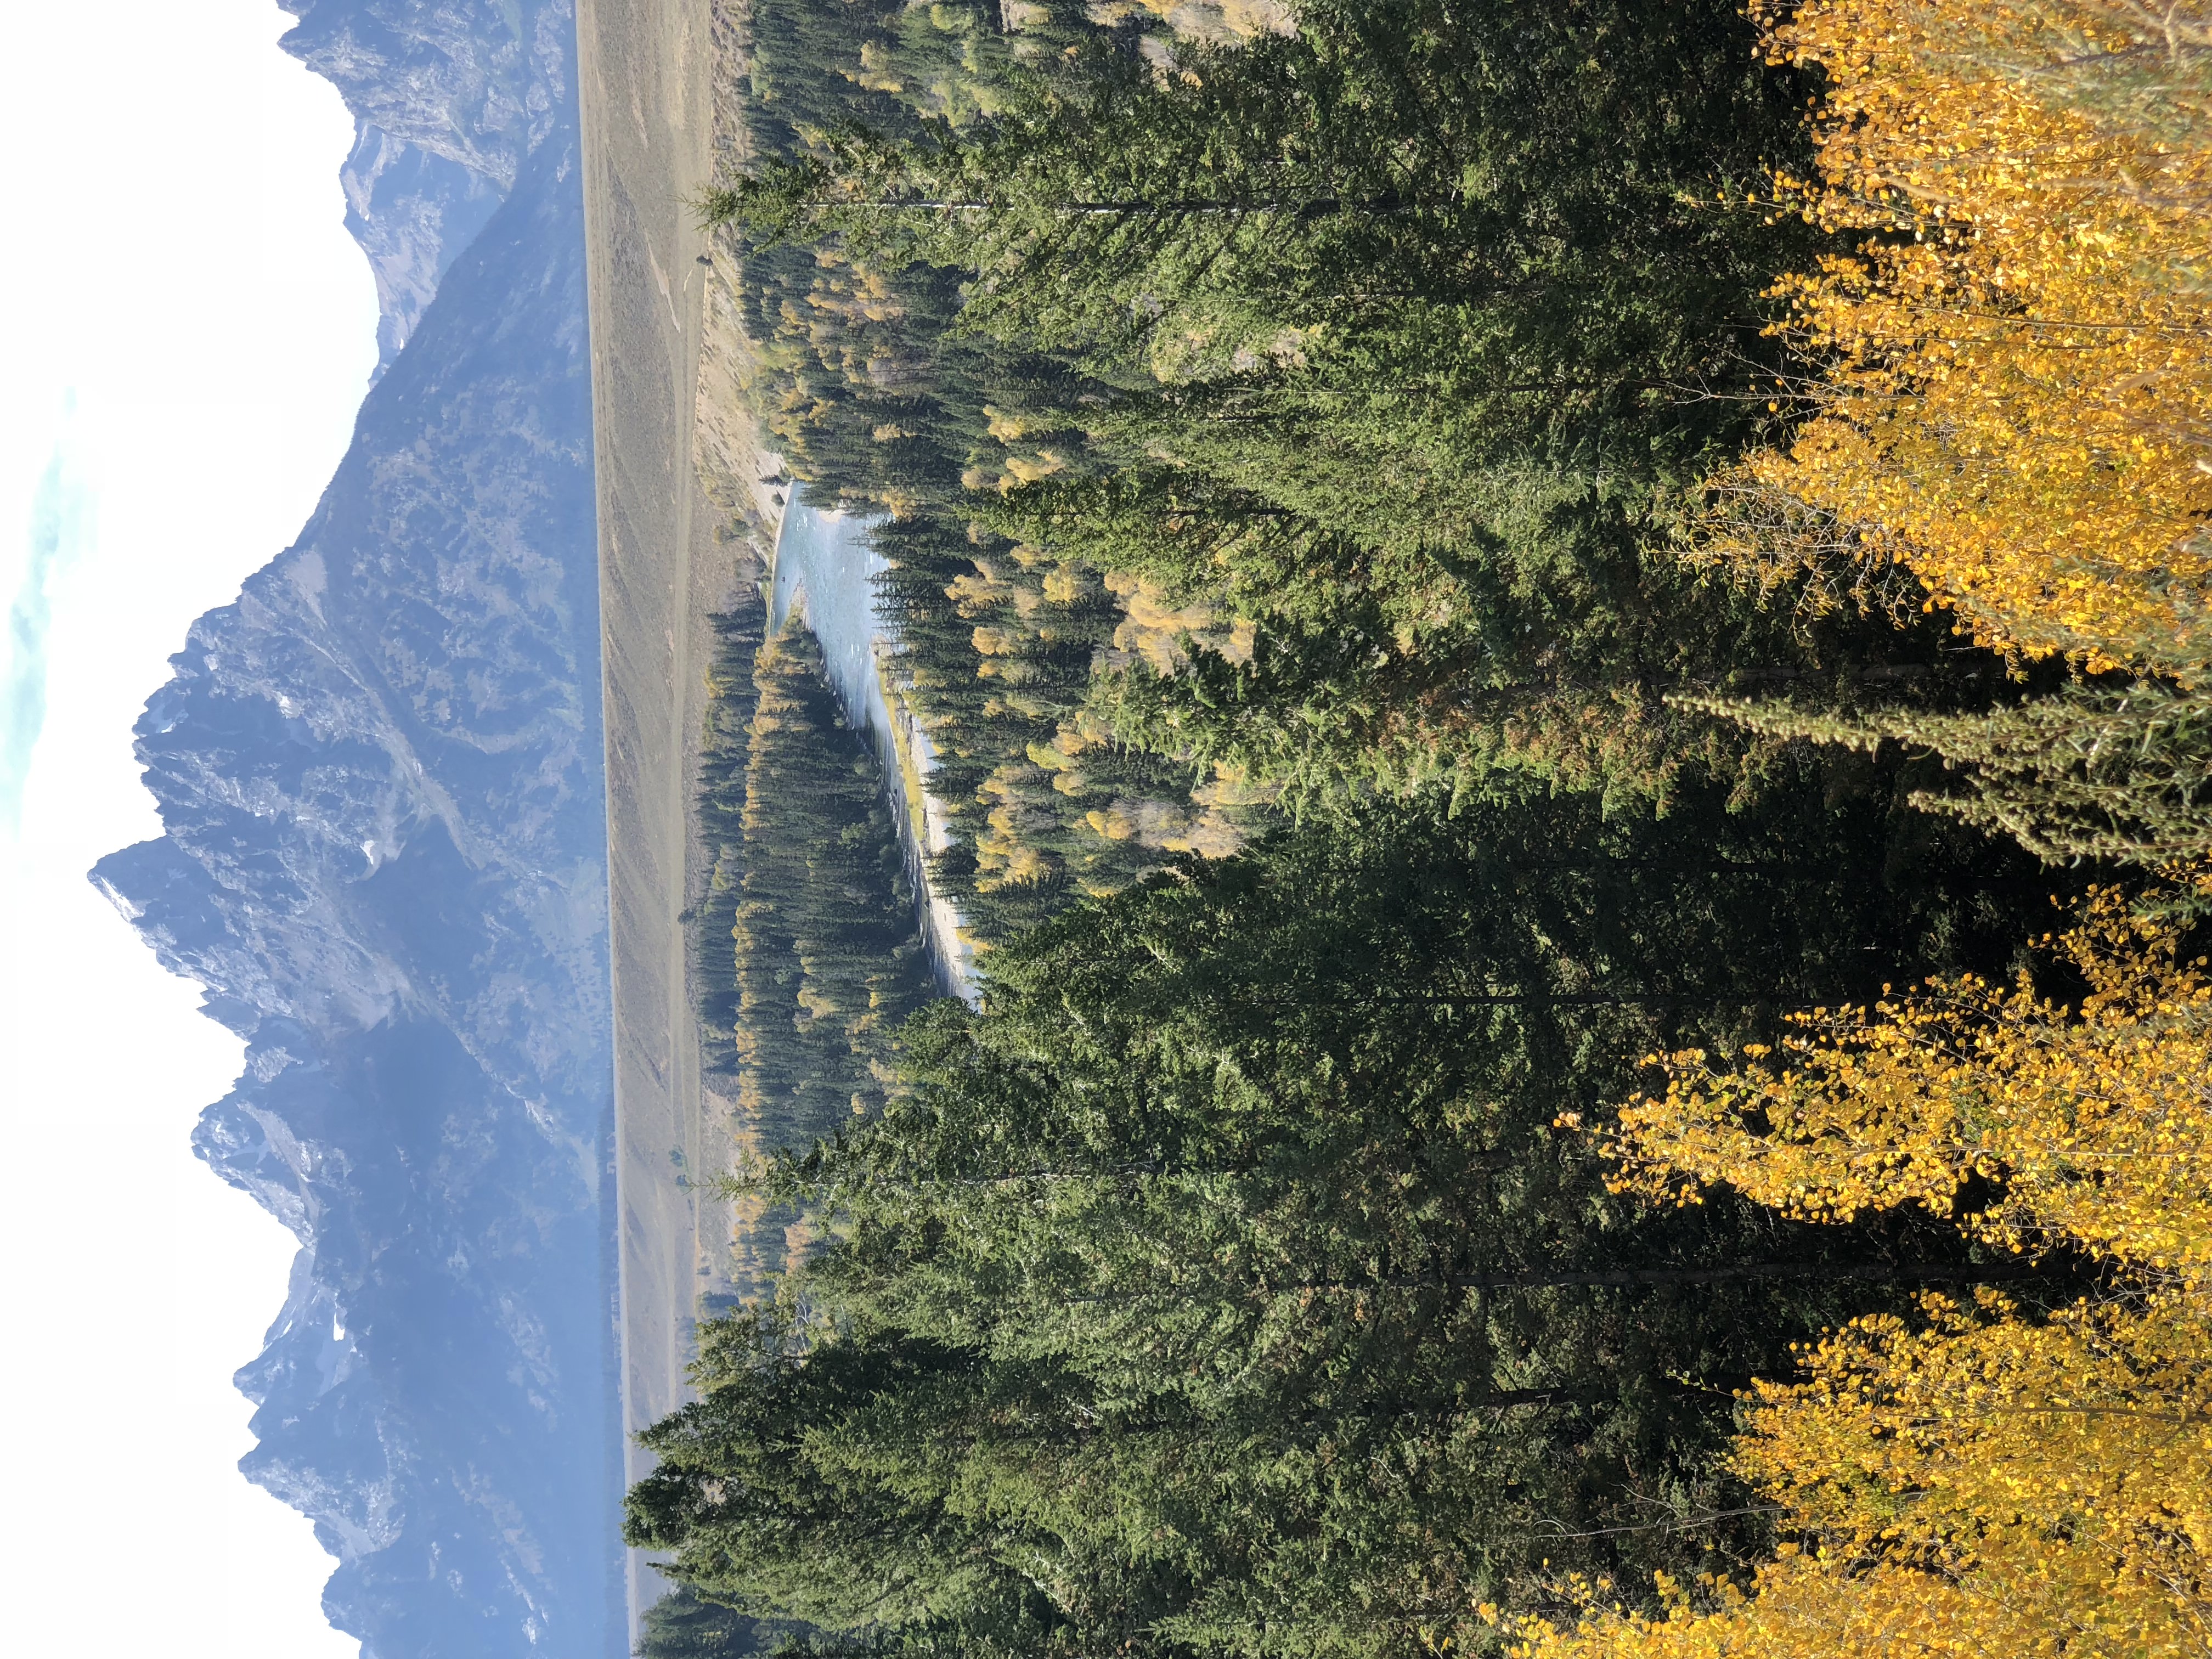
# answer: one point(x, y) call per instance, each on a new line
point(826, 571)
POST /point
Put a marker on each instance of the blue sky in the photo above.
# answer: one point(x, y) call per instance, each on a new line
point(185, 333)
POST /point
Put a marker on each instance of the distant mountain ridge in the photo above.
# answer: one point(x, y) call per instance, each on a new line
point(448, 96)
point(380, 777)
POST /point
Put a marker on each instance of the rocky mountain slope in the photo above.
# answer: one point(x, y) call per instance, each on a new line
point(449, 96)
point(384, 858)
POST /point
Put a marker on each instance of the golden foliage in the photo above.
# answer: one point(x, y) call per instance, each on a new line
point(1219, 20)
point(2095, 1424)
point(1983, 1487)
point(1006, 850)
point(1157, 628)
point(1168, 828)
point(1975, 1482)
point(2096, 1122)
point(2017, 398)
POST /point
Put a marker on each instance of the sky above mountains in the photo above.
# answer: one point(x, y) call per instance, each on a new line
point(190, 331)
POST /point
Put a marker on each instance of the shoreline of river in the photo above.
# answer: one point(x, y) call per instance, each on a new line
point(839, 608)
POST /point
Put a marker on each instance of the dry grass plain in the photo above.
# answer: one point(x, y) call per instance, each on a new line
point(667, 561)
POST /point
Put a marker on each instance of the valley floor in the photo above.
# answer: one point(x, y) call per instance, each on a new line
point(665, 565)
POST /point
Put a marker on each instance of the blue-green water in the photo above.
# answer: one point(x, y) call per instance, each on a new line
point(825, 572)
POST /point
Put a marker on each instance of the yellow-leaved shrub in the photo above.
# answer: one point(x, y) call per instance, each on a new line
point(2095, 1121)
point(1983, 1487)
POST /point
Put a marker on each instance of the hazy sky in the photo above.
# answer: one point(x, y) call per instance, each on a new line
point(186, 331)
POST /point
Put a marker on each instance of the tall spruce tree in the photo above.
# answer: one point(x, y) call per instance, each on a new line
point(1226, 1286)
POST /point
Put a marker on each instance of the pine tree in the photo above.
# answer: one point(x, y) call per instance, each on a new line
point(1225, 1285)
point(2093, 770)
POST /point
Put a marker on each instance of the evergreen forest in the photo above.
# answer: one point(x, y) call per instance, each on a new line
point(807, 955)
point(1567, 643)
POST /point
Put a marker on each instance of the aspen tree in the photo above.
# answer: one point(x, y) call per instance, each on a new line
point(1975, 1481)
point(2095, 1122)
point(2014, 393)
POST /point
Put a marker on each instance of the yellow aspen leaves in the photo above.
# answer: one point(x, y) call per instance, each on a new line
point(1979, 1427)
point(1974, 1481)
point(2015, 392)
point(2095, 1122)
point(1981, 1487)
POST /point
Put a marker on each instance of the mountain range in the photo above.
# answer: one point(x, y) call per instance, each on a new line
point(383, 858)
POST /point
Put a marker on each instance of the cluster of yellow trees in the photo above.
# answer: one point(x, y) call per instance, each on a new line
point(1978, 1481)
point(2013, 397)
point(2016, 392)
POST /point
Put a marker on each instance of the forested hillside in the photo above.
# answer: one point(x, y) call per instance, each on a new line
point(1568, 644)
